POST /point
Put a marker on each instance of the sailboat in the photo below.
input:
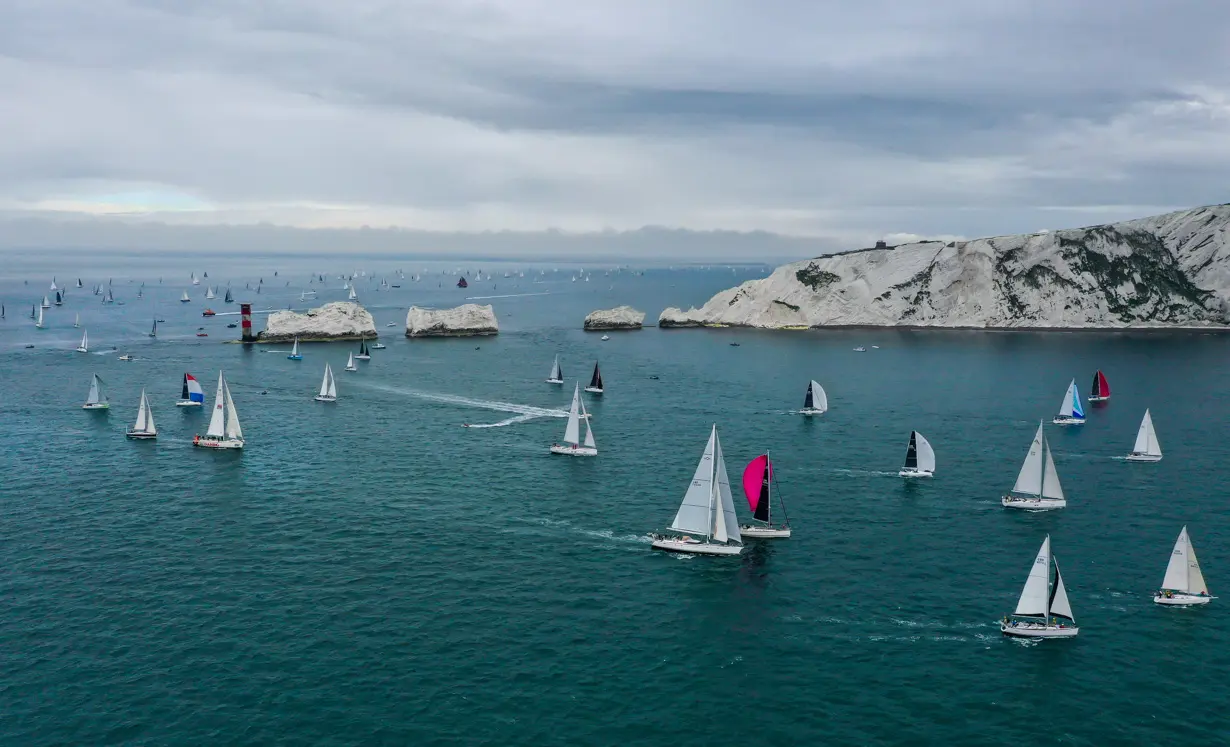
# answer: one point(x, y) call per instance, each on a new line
point(79, 285)
point(195, 281)
point(191, 395)
point(707, 509)
point(53, 284)
point(144, 427)
point(209, 293)
point(77, 321)
point(328, 387)
point(557, 374)
point(1099, 391)
point(815, 402)
point(84, 347)
point(919, 457)
point(1146, 449)
point(153, 331)
point(110, 297)
point(59, 299)
point(572, 445)
point(229, 298)
point(350, 365)
point(353, 296)
point(1184, 583)
point(46, 303)
point(759, 481)
point(364, 353)
point(1043, 610)
point(39, 324)
point(224, 431)
point(96, 400)
point(184, 298)
point(294, 352)
point(595, 382)
point(1037, 486)
point(1071, 412)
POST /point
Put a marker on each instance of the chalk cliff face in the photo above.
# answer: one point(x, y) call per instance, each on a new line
point(1170, 270)
point(620, 317)
point(464, 321)
point(340, 320)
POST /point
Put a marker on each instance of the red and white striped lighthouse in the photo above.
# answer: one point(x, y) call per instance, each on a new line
point(246, 310)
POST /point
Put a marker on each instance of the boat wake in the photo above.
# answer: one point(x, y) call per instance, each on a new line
point(522, 413)
point(510, 295)
point(865, 472)
point(605, 535)
point(509, 421)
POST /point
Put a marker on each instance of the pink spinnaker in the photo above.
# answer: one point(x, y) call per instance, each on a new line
point(753, 479)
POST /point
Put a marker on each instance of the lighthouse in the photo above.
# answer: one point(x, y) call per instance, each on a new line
point(246, 310)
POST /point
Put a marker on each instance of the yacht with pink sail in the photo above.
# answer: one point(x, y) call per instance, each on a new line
point(760, 487)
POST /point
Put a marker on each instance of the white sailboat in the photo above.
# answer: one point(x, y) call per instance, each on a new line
point(84, 347)
point(53, 284)
point(353, 296)
point(557, 374)
point(144, 427)
point(1043, 610)
point(224, 431)
point(573, 446)
point(184, 298)
point(209, 293)
point(1037, 486)
point(919, 457)
point(707, 510)
point(294, 352)
point(1071, 412)
point(815, 402)
point(96, 399)
point(195, 280)
point(1184, 583)
point(39, 324)
point(759, 483)
point(350, 364)
point(77, 320)
point(328, 387)
point(1146, 449)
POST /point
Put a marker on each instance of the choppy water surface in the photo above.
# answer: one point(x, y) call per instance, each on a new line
point(371, 572)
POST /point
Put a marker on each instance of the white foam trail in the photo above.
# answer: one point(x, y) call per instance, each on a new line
point(510, 295)
point(509, 421)
point(528, 412)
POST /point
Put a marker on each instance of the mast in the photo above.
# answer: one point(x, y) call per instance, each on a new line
point(768, 465)
point(712, 523)
point(1042, 471)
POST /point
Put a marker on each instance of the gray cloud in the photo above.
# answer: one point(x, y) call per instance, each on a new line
point(832, 120)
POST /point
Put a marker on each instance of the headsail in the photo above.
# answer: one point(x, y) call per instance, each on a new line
point(816, 398)
point(589, 431)
point(192, 389)
point(926, 454)
point(756, 477)
point(725, 521)
point(1059, 606)
point(595, 381)
point(1033, 601)
point(1050, 478)
point(232, 418)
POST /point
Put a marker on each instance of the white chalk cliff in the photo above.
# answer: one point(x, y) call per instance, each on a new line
point(340, 320)
point(620, 317)
point(1170, 270)
point(464, 321)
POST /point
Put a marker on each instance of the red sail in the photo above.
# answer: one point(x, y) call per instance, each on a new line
point(1102, 388)
point(757, 473)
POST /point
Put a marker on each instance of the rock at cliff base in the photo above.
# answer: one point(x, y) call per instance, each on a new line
point(464, 321)
point(620, 317)
point(340, 320)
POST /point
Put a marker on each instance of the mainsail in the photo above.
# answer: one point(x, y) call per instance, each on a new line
point(1038, 475)
point(595, 381)
point(1183, 571)
point(217, 420)
point(96, 395)
point(694, 512)
point(572, 433)
point(1072, 406)
point(1034, 598)
point(557, 374)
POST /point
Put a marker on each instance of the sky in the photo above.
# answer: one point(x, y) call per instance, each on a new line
point(753, 127)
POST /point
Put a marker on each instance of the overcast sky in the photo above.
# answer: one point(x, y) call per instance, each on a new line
point(840, 121)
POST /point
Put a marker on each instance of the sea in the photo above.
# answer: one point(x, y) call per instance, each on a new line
point(370, 572)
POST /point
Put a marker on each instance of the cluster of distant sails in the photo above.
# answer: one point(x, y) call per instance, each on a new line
point(224, 430)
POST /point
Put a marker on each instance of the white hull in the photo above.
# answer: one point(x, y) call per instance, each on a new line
point(914, 473)
point(325, 398)
point(82, 350)
point(1037, 630)
point(363, 357)
point(1033, 504)
point(140, 434)
point(1098, 399)
point(1181, 599)
point(97, 406)
point(1062, 420)
point(1143, 457)
point(763, 532)
point(217, 443)
point(189, 403)
point(351, 368)
point(593, 390)
point(696, 547)
point(811, 411)
point(573, 450)
point(557, 381)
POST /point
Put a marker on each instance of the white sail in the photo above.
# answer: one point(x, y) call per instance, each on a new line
point(1072, 406)
point(85, 342)
point(1195, 579)
point(1033, 599)
point(185, 297)
point(926, 454)
point(95, 396)
point(209, 292)
point(1146, 438)
point(1029, 481)
point(1050, 479)
point(1059, 600)
point(572, 433)
point(39, 323)
point(145, 417)
point(217, 420)
point(327, 386)
point(77, 321)
point(294, 349)
point(820, 400)
point(46, 303)
point(1176, 569)
point(350, 362)
point(556, 373)
point(232, 418)
point(724, 508)
point(589, 432)
point(697, 507)
point(353, 296)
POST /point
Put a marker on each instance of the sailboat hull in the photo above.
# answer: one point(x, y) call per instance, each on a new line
point(325, 398)
point(914, 473)
point(763, 532)
point(82, 350)
point(96, 406)
point(189, 403)
point(593, 389)
point(1037, 630)
point(1181, 599)
point(363, 357)
point(1067, 420)
point(294, 357)
point(1134, 457)
point(1099, 399)
point(694, 547)
point(557, 381)
point(351, 368)
point(140, 435)
point(206, 442)
point(1031, 503)
point(809, 411)
point(573, 450)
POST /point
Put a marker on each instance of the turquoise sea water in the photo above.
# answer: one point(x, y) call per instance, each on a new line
point(370, 572)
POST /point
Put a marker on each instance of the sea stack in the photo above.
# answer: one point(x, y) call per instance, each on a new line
point(620, 317)
point(337, 321)
point(467, 320)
